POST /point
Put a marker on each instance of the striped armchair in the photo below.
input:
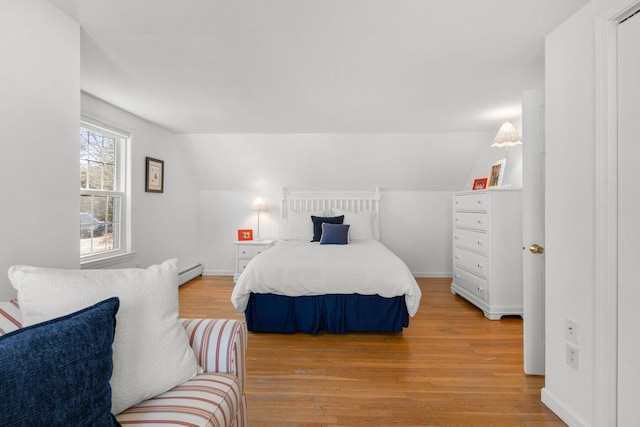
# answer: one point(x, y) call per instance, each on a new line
point(213, 398)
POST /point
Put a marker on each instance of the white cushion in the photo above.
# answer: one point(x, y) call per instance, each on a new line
point(361, 223)
point(298, 226)
point(151, 351)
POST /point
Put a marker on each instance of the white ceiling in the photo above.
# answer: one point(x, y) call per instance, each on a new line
point(316, 66)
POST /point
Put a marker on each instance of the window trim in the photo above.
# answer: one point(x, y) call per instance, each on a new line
point(123, 175)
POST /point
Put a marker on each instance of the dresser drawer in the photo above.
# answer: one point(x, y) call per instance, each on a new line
point(472, 240)
point(469, 261)
point(474, 284)
point(475, 221)
point(471, 202)
point(248, 252)
point(242, 264)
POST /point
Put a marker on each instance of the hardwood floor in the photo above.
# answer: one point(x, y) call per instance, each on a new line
point(450, 367)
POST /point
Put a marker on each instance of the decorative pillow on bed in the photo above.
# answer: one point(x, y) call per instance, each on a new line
point(57, 373)
point(319, 220)
point(298, 226)
point(334, 234)
point(361, 223)
point(151, 351)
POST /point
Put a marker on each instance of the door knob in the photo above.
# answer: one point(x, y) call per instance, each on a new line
point(536, 249)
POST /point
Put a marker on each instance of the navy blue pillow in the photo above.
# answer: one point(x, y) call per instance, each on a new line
point(334, 234)
point(319, 220)
point(57, 373)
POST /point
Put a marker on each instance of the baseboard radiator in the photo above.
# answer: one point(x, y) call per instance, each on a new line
point(188, 274)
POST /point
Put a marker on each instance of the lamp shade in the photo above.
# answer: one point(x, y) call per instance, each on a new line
point(259, 205)
point(507, 136)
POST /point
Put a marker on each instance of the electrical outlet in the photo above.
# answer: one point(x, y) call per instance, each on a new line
point(572, 356)
point(571, 330)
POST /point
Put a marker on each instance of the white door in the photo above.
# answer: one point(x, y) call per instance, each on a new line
point(628, 220)
point(533, 230)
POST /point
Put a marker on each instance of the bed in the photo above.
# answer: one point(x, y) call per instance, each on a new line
point(300, 285)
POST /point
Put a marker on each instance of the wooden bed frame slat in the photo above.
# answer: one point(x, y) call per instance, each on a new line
point(350, 201)
point(309, 201)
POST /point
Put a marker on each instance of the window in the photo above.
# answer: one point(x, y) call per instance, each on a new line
point(103, 192)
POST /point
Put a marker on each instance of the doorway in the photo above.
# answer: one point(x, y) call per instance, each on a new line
point(614, 395)
point(628, 234)
point(533, 260)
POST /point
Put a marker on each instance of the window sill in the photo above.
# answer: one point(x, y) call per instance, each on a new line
point(107, 261)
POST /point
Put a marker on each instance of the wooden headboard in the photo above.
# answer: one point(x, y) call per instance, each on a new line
point(350, 201)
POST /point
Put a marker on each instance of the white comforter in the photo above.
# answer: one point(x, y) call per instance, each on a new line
point(296, 268)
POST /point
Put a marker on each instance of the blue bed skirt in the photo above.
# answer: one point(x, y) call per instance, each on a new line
point(334, 313)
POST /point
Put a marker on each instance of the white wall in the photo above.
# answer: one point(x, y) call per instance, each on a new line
point(416, 172)
point(415, 225)
point(395, 162)
point(164, 225)
point(570, 212)
point(39, 111)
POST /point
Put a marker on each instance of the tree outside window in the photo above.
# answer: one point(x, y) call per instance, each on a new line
point(101, 191)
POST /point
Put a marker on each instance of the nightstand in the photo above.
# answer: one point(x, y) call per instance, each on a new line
point(245, 251)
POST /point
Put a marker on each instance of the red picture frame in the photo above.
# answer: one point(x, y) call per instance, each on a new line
point(479, 184)
point(245, 234)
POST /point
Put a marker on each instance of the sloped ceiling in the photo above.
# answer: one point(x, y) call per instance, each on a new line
point(399, 162)
point(316, 66)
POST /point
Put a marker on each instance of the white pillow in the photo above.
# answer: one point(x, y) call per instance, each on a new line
point(298, 226)
point(151, 351)
point(361, 223)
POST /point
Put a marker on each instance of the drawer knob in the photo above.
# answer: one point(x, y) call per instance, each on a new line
point(244, 252)
point(479, 265)
point(457, 276)
point(457, 257)
point(259, 252)
point(479, 243)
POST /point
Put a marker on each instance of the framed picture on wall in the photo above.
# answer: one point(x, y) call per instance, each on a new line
point(154, 181)
point(496, 173)
point(479, 184)
point(245, 234)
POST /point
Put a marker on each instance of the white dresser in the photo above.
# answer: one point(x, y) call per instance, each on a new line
point(487, 250)
point(245, 251)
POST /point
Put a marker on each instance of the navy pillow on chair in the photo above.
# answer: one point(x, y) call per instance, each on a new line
point(319, 220)
point(334, 234)
point(57, 373)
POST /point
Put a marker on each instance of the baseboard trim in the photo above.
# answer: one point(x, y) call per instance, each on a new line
point(218, 273)
point(431, 275)
point(189, 274)
point(561, 409)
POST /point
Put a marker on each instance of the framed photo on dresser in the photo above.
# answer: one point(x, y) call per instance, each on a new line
point(479, 184)
point(496, 173)
point(245, 234)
